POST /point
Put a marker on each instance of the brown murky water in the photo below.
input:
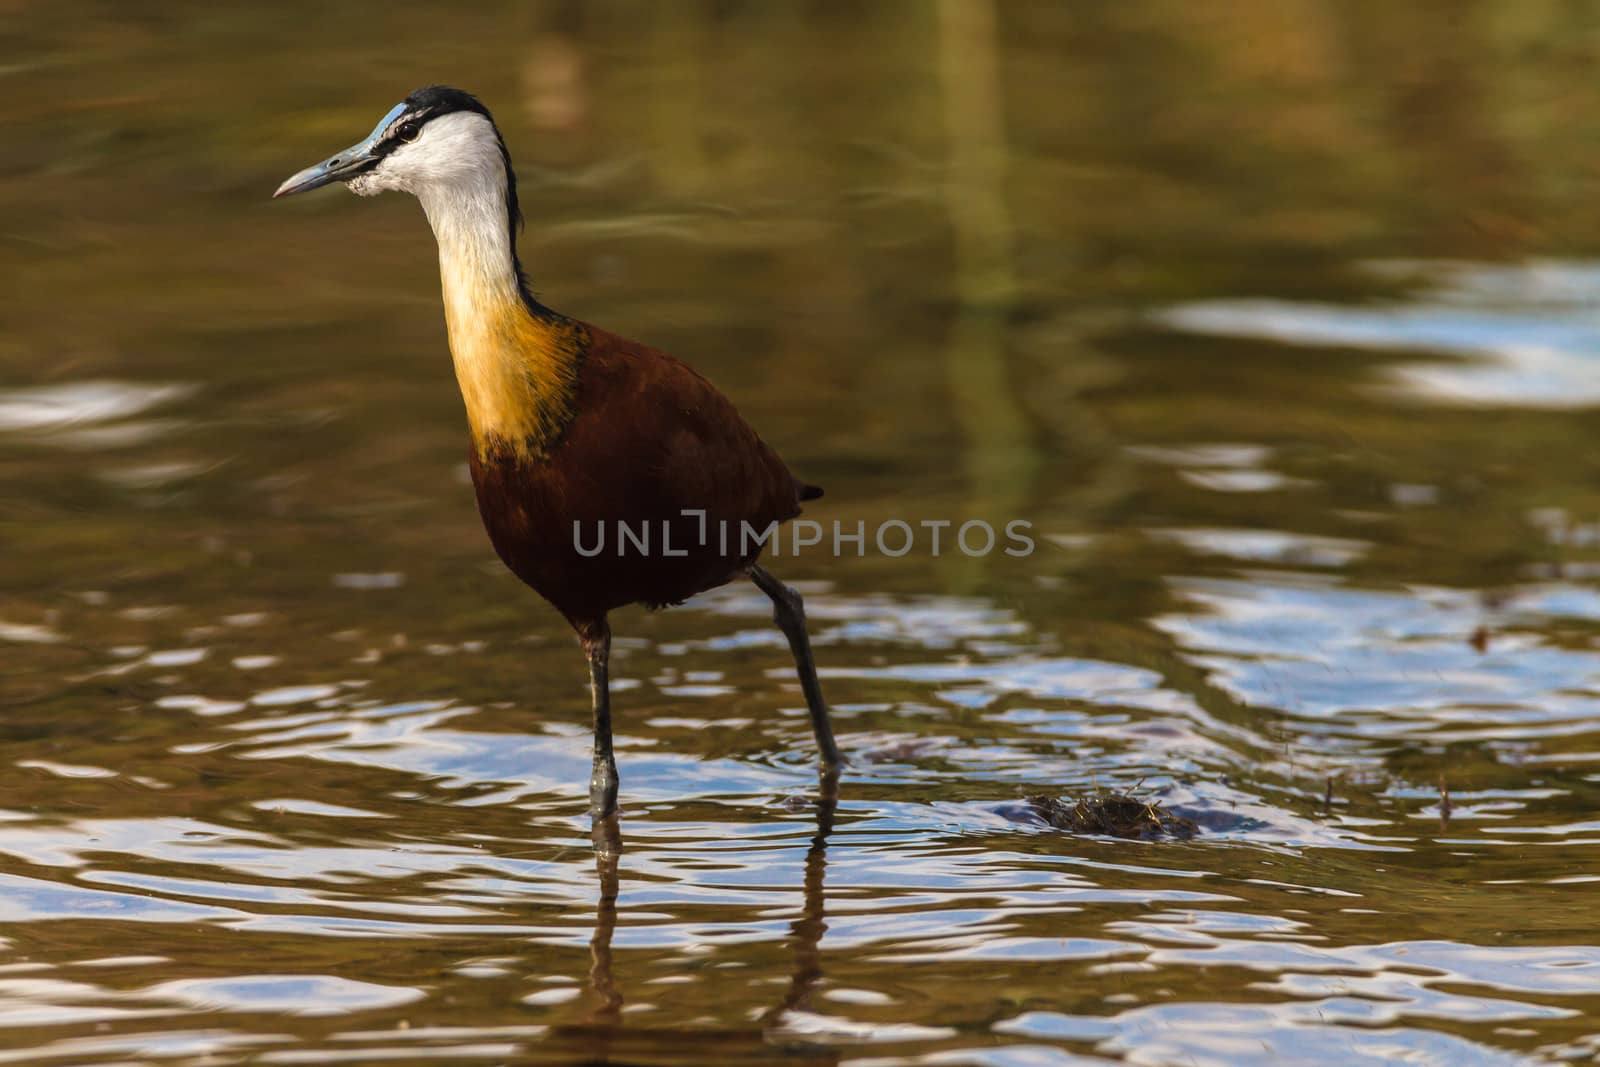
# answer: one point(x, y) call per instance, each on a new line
point(1277, 321)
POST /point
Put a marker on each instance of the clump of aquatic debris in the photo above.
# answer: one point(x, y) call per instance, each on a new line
point(1113, 815)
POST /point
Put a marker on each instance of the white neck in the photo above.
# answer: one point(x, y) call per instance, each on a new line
point(474, 236)
point(517, 371)
point(465, 202)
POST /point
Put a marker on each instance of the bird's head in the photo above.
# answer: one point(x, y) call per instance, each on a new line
point(436, 140)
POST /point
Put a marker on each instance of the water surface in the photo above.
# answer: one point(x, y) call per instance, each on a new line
point(1278, 323)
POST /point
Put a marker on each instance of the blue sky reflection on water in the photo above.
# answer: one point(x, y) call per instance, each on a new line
point(1527, 336)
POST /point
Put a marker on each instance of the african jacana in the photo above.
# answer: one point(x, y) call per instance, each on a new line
point(574, 428)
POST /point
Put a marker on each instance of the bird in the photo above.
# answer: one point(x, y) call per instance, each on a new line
point(574, 430)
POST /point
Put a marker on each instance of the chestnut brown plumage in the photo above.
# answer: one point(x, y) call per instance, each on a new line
point(578, 433)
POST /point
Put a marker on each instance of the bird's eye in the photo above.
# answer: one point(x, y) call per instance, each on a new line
point(408, 131)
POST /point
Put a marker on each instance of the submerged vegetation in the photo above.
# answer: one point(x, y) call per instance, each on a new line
point(1114, 815)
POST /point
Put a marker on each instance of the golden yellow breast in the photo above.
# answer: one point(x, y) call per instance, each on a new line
point(517, 370)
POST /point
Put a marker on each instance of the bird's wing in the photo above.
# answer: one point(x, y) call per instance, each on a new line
point(655, 429)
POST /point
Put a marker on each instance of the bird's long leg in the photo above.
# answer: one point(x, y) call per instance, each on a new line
point(789, 611)
point(596, 638)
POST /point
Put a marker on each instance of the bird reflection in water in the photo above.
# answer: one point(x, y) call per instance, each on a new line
point(602, 1035)
point(607, 855)
point(806, 931)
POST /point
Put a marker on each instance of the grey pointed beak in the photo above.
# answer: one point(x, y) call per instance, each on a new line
point(356, 159)
point(342, 167)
